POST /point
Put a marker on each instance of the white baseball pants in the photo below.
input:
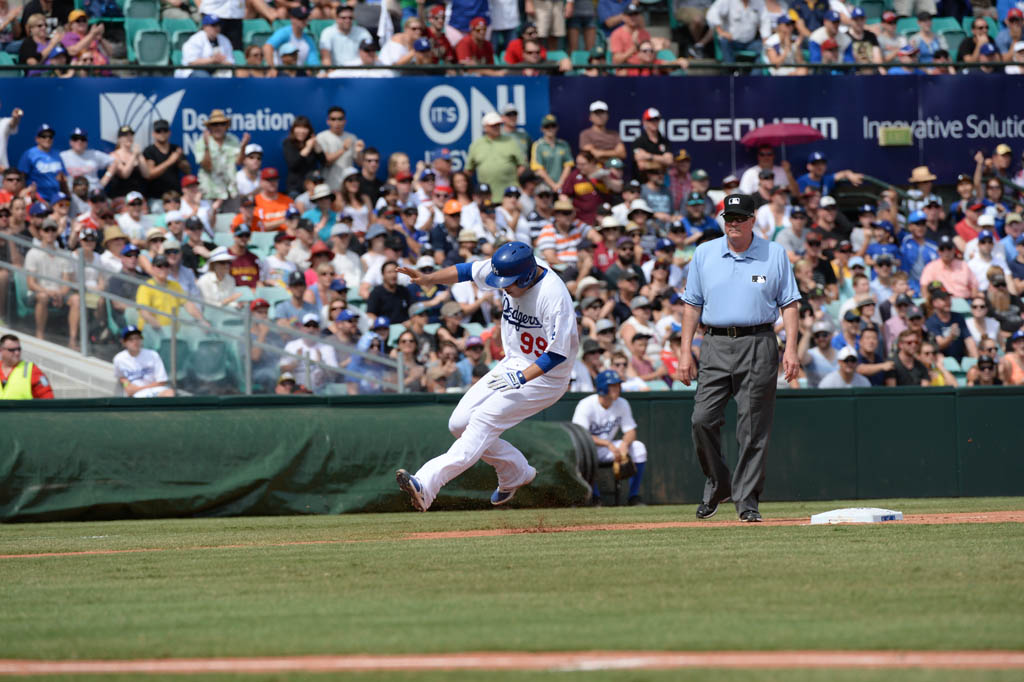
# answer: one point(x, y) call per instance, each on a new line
point(637, 452)
point(478, 421)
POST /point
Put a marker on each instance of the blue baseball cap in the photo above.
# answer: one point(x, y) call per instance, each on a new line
point(442, 153)
point(867, 208)
point(664, 244)
point(288, 48)
point(986, 234)
point(129, 249)
point(831, 15)
point(917, 217)
point(857, 13)
point(210, 20)
point(39, 208)
point(291, 212)
point(988, 49)
point(784, 19)
point(816, 156)
point(1019, 334)
point(79, 132)
point(885, 225)
point(45, 128)
point(345, 315)
point(129, 330)
point(338, 285)
point(382, 322)
point(421, 45)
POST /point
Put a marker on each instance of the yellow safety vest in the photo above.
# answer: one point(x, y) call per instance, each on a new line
point(19, 384)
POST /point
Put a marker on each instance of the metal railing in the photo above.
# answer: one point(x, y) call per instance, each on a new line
point(228, 325)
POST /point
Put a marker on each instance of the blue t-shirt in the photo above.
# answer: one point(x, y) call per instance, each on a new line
point(956, 349)
point(740, 290)
point(609, 8)
point(826, 185)
point(309, 54)
point(818, 367)
point(700, 226)
point(42, 168)
point(464, 11)
point(286, 310)
point(879, 377)
point(660, 200)
point(313, 215)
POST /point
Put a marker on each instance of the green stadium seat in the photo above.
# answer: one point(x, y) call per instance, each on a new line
point(967, 363)
point(210, 361)
point(239, 57)
point(317, 26)
point(255, 31)
point(953, 40)
point(183, 352)
point(872, 9)
point(394, 333)
point(905, 26)
point(152, 48)
point(657, 385)
point(223, 239)
point(273, 295)
point(133, 26)
point(142, 9)
point(951, 364)
point(179, 30)
point(262, 243)
point(580, 58)
point(281, 23)
point(176, 57)
point(557, 55)
point(222, 223)
point(8, 59)
point(960, 305)
point(943, 24)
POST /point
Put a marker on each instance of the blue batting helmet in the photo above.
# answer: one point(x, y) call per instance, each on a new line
point(512, 263)
point(605, 380)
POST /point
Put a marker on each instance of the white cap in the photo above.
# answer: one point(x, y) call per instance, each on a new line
point(986, 220)
point(827, 201)
point(1018, 46)
point(174, 216)
point(220, 255)
point(426, 262)
point(639, 205)
point(134, 196)
point(847, 352)
point(340, 228)
point(253, 148)
point(492, 118)
point(310, 317)
point(171, 243)
point(598, 105)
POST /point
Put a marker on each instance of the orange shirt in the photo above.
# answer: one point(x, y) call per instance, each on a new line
point(240, 218)
point(270, 211)
point(41, 389)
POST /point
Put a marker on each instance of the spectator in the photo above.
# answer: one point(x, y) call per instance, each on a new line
point(558, 242)
point(588, 186)
point(441, 48)
point(549, 16)
point(125, 287)
point(140, 371)
point(114, 239)
point(245, 266)
point(247, 179)
point(774, 216)
point(398, 51)
point(40, 43)
point(850, 329)
point(82, 39)
point(443, 375)
point(46, 270)
point(271, 205)
point(474, 48)
point(696, 221)
point(651, 148)
point(782, 49)
point(1011, 367)
point(217, 286)
point(818, 177)
point(822, 358)
point(390, 299)
point(1008, 37)
point(415, 371)
point(177, 271)
point(845, 376)
point(510, 115)
point(949, 329)
point(254, 60)
point(810, 15)
point(984, 373)
point(932, 359)
point(692, 14)
point(970, 49)
point(193, 205)
point(81, 161)
point(277, 269)
point(43, 167)
point(444, 237)
point(864, 47)
point(165, 163)
point(496, 159)
point(293, 35)
point(872, 363)
point(128, 171)
point(20, 379)
point(339, 44)
point(954, 274)
point(309, 351)
point(590, 362)
point(218, 152)
point(737, 23)
point(339, 148)
point(133, 221)
point(246, 213)
point(625, 41)
point(909, 370)
point(679, 177)
point(474, 356)
point(451, 329)
point(647, 57)
point(982, 328)
point(582, 16)
point(603, 143)
point(10, 30)
point(162, 294)
point(915, 251)
point(290, 311)
point(625, 261)
point(829, 30)
point(207, 46)
point(603, 415)
point(926, 42)
point(369, 166)
point(889, 41)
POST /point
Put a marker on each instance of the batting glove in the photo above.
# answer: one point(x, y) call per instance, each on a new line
point(506, 381)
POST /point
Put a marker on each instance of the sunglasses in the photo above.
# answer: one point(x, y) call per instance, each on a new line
point(49, 229)
point(411, 341)
point(563, 212)
point(533, 53)
point(735, 219)
point(979, 306)
point(620, 364)
point(171, 252)
point(161, 265)
point(850, 361)
point(986, 368)
point(822, 335)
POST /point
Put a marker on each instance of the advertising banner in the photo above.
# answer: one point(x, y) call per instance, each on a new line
point(951, 117)
point(415, 115)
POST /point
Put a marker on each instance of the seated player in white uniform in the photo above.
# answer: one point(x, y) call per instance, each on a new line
point(538, 332)
point(139, 370)
point(604, 415)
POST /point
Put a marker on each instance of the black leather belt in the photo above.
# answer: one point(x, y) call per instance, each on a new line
point(733, 332)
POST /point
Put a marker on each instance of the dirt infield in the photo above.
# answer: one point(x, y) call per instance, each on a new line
point(909, 519)
point(548, 661)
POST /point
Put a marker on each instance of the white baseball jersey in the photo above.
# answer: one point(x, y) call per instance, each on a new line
point(142, 369)
point(601, 422)
point(541, 320)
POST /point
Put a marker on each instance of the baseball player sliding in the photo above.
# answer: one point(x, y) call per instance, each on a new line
point(538, 331)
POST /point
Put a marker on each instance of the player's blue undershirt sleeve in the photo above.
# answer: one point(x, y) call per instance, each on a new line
point(549, 360)
point(465, 271)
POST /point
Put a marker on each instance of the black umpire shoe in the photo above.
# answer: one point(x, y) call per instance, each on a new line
point(750, 516)
point(706, 511)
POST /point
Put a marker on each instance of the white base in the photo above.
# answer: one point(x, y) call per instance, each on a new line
point(857, 515)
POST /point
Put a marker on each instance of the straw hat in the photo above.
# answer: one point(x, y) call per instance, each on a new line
point(217, 116)
point(921, 174)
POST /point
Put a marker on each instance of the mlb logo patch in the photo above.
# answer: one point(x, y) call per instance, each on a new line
point(758, 279)
point(734, 201)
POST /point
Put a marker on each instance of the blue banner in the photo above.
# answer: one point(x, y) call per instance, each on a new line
point(951, 117)
point(415, 115)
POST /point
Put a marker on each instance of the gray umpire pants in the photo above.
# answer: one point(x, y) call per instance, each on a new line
point(745, 367)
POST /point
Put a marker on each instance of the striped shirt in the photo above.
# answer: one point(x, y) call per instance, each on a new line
point(564, 243)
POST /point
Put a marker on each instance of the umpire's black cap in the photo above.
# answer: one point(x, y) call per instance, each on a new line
point(741, 204)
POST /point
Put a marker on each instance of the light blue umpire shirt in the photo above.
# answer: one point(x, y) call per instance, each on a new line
point(740, 289)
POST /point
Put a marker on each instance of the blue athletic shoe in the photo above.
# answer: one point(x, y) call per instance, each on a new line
point(503, 495)
point(409, 484)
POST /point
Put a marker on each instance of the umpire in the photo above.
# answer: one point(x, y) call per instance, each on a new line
point(735, 288)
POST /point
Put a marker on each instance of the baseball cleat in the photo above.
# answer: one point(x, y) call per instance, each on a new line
point(409, 484)
point(750, 516)
point(706, 511)
point(503, 495)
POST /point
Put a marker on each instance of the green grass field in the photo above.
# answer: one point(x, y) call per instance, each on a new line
point(232, 587)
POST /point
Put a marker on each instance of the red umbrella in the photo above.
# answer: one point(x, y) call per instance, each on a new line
point(776, 134)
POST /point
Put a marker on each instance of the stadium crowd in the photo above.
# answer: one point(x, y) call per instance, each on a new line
point(558, 36)
point(905, 289)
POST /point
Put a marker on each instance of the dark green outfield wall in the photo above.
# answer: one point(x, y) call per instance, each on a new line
point(275, 455)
